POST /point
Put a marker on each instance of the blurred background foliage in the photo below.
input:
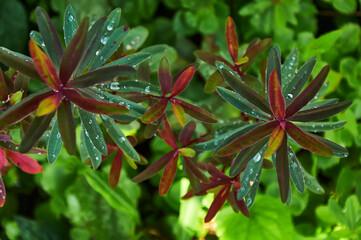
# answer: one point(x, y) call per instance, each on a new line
point(71, 201)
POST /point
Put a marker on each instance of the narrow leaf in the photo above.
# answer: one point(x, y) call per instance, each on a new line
point(155, 112)
point(232, 39)
point(277, 102)
point(275, 141)
point(3, 88)
point(210, 58)
point(296, 171)
point(70, 24)
point(198, 113)
point(273, 63)
point(48, 105)
point(164, 76)
point(168, 176)
point(192, 167)
point(213, 82)
point(321, 126)
point(337, 149)
point(24, 162)
point(217, 203)
point(187, 152)
point(312, 184)
point(115, 169)
point(282, 170)
point(94, 154)
point(167, 135)
point(2, 192)
point(54, 144)
point(130, 60)
point(16, 98)
point(320, 104)
point(307, 141)
point(254, 51)
point(289, 68)
point(182, 82)
point(67, 126)
point(179, 113)
point(131, 86)
point(186, 133)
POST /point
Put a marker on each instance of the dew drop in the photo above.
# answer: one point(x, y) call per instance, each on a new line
point(104, 39)
point(147, 89)
point(53, 155)
point(251, 183)
point(90, 121)
point(97, 137)
point(58, 135)
point(70, 18)
point(110, 27)
point(257, 157)
point(97, 53)
point(251, 171)
point(114, 86)
point(249, 201)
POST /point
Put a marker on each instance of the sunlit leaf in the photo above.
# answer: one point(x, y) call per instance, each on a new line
point(275, 141)
point(183, 81)
point(48, 105)
point(179, 113)
point(213, 82)
point(16, 98)
point(168, 176)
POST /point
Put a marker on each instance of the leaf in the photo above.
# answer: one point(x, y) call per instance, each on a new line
point(54, 144)
point(44, 66)
point(210, 58)
point(232, 39)
point(25, 163)
point(39, 40)
point(94, 106)
point(115, 169)
point(131, 86)
point(187, 152)
point(112, 22)
point(299, 80)
point(67, 126)
point(3, 88)
point(273, 63)
point(282, 170)
point(73, 52)
point(217, 203)
point(192, 167)
point(321, 112)
point(101, 75)
point(307, 141)
point(321, 126)
point(213, 82)
point(198, 113)
point(168, 175)
point(136, 37)
point(70, 24)
point(164, 76)
point(155, 167)
point(34, 132)
point(155, 112)
point(50, 37)
point(320, 104)
point(308, 93)
point(242, 89)
point(94, 154)
point(186, 133)
point(254, 51)
point(19, 62)
point(296, 171)
point(241, 104)
point(179, 113)
point(94, 133)
point(277, 102)
point(16, 98)
point(167, 135)
point(346, 6)
point(254, 152)
point(289, 68)
point(119, 138)
point(338, 150)
point(248, 139)
point(131, 60)
point(2, 192)
point(48, 105)
point(312, 184)
point(275, 141)
point(21, 110)
point(143, 70)
point(157, 52)
point(182, 82)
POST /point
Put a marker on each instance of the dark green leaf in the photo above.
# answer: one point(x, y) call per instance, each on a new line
point(54, 144)
point(289, 68)
point(130, 60)
point(296, 171)
point(131, 86)
point(70, 24)
point(321, 126)
point(312, 184)
point(94, 154)
point(67, 126)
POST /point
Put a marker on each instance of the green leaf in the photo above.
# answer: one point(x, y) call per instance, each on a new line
point(338, 150)
point(131, 60)
point(213, 82)
point(93, 131)
point(157, 52)
point(320, 126)
point(337, 211)
point(131, 86)
point(289, 68)
point(119, 138)
point(67, 126)
point(345, 6)
point(135, 38)
point(94, 154)
point(112, 22)
point(352, 212)
point(296, 171)
point(274, 62)
point(312, 184)
point(319, 104)
point(70, 24)
point(54, 144)
point(38, 39)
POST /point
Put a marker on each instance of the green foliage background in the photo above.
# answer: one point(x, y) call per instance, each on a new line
point(71, 201)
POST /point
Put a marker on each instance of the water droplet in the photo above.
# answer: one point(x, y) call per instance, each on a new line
point(147, 89)
point(251, 171)
point(114, 86)
point(122, 139)
point(110, 27)
point(97, 158)
point(58, 135)
point(289, 96)
point(104, 39)
point(32, 35)
point(249, 201)
point(42, 44)
point(90, 121)
point(97, 137)
point(251, 183)
point(243, 189)
point(257, 157)
point(294, 165)
point(53, 155)
point(97, 53)
point(345, 155)
point(70, 18)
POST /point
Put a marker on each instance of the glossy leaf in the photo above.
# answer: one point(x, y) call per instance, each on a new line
point(321, 126)
point(70, 24)
point(155, 111)
point(241, 104)
point(308, 93)
point(321, 112)
point(2, 192)
point(275, 141)
point(307, 141)
point(198, 113)
point(131, 86)
point(94, 106)
point(210, 58)
point(182, 82)
point(179, 113)
point(48, 105)
point(73, 52)
point(242, 89)
point(19, 62)
point(44, 66)
point(23, 109)
point(94, 154)
point(254, 152)
point(24, 162)
point(34, 132)
point(115, 169)
point(54, 144)
point(277, 102)
point(155, 167)
point(248, 139)
point(213, 82)
point(217, 203)
point(39, 40)
point(168, 176)
point(66, 126)
point(232, 39)
point(119, 138)
point(136, 38)
point(289, 68)
point(165, 76)
point(101, 75)
point(94, 133)
point(130, 60)
point(296, 172)
point(50, 37)
point(312, 184)
point(282, 170)
point(320, 104)
point(186, 133)
point(254, 51)
point(112, 22)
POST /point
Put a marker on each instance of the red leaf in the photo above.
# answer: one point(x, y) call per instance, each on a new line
point(183, 81)
point(307, 141)
point(73, 52)
point(254, 51)
point(198, 113)
point(44, 66)
point(275, 141)
point(155, 111)
point(210, 58)
point(3, 88)
point(277, 102)
point(168, 176)
point(115, 169)
point(4, 164)
point(308, 93)
point(282, 170)
point(167, 135)
point(248, 139)
point(48, 105)
point(217, 203)
point(155, 167)
point(241, 205)
point(187, 132)
point(94, 106)
point(179, 113)
point(194, 170)
point(2, 192)
point(164, 76)
point(215, 172)
point(232, 39)
point(26, 163)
